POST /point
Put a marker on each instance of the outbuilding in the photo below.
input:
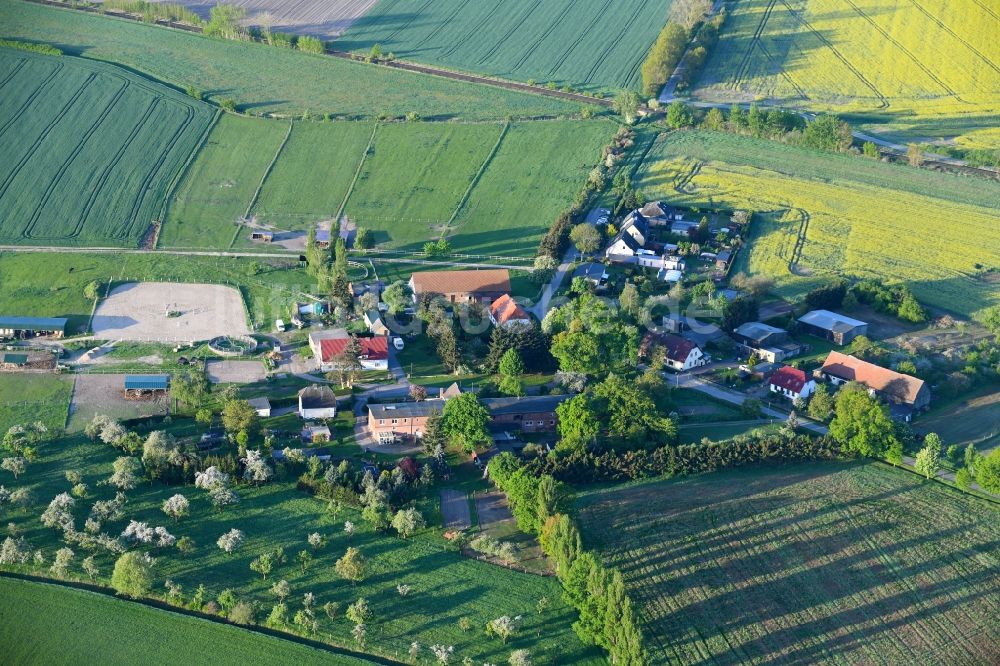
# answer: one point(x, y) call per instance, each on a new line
point(31, 327)
point(839, 329)
point(317, 402)
point(261, 405)
point(142, 386)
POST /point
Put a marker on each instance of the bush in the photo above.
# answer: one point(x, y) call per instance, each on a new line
point(310, 45)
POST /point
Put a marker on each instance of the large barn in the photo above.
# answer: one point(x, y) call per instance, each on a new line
point(31, 327)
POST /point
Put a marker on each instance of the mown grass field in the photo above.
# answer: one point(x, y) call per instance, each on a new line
point(90, 150)
point(220, 182)
point(861, 218)
point(818, 563)
point(122, 632)
point(26, 398)
point(974, 418)
point(445, 585)
point(267, 286)
point(587, 44)
point(902, 57)
point(267, 79)
point(489, 188)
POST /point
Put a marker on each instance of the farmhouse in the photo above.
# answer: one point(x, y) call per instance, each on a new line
point(594, 273)
point(461, 286)
point(138, 387)
point(631, 238)
point(261, 405)
point(375, 323)
point(30, 327)
point(907, 393)
point(405, 420)
point(681, 354)
point(317, 402)
point(768, 343)
point(506, 312)
point(373, 354)
point(531, 414)
point(660, 214)
point(832, 326)
point(791, 383)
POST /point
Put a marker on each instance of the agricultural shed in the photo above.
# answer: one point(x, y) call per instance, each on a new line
point(13, 360)
point(461, 286)
point(839, 329)
point(29, 327)
point(317, 402)
point(261, 405)
point(141, 386)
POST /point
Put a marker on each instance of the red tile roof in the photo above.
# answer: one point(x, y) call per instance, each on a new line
point(372, 349)
point(505, 309)
point(678, 349)
point(897, 385)
point(457, 282)
point(789, 378)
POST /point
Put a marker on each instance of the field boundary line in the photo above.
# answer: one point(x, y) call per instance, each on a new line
point(214, 619)
point(260, 185)
point(476, 178)
point(183, 171)
point(357, 174)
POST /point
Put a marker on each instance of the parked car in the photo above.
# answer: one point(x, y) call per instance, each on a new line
point(397, 343)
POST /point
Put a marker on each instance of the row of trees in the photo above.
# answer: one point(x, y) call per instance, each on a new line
point(606, 615)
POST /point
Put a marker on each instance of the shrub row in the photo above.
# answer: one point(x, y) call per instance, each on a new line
point(663, 58)
point(44, 49)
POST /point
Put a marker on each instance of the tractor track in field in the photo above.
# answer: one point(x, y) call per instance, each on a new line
point(515, 25)
point(44, 134)
point(474, 31)
point(406, 25)
point(909, 54)
point(883, 101)
point(612, 43)
point(581, 36)
point(434, 33)
point(800, 240)
point(742, 70)
point(681, 184)
point(784, 73)
point(144, 190)
point(31, 98)
point(113, 162)
point(530, 51)
point(13, 72)
point(958, 37)
point(987, 9)
point(61, 171)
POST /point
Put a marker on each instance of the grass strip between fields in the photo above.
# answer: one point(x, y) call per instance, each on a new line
point(260, 185)
point(357, 174)
point(475, 179)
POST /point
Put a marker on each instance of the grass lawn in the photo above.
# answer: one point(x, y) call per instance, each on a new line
point(217, 188)
point(587, 44)
point(445, 585)
point(693, 433)
point(860, 218)
point(26, 398)
point(102, 178)
point(838, 563)
point(972, 418)
point(122, 631)
point(927, 61)
point(267, 285)
point(267, 79)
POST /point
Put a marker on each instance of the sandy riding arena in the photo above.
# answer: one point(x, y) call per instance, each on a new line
point(169, 312)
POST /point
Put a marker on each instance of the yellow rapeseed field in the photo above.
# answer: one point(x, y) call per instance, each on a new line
point(821, 214)
point(900, 57)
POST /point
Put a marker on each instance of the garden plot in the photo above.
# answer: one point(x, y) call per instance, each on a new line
point(103, 394)
point(169, 312)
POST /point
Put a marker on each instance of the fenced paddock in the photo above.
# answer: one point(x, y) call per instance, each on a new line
point(104, 394)
point(170, 312)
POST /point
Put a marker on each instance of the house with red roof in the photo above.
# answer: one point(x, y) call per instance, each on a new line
point(791, 383)
point(327, 345)
point(681, 354)
point(505, 311)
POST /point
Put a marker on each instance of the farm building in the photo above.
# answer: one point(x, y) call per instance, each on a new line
point(791, 383)
point(506, 312)
point(660, 214)
point(681, 354)
point(405, 420)
point(683, 228)
point(768, 343)
point(323, 238)
point(375, 323)
point(27, 360)
point(594, 273)
point(262, 235)
point(315, 433)
point(317, 402)
point(722, 260)
point(905, 393)
point(530, 414)
point(145, 386)
point(832, 326)
point(31, 327)
point(631, 239)
point(373, 352)
point(261, 405)
point(461, 286)
point(13, 361)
